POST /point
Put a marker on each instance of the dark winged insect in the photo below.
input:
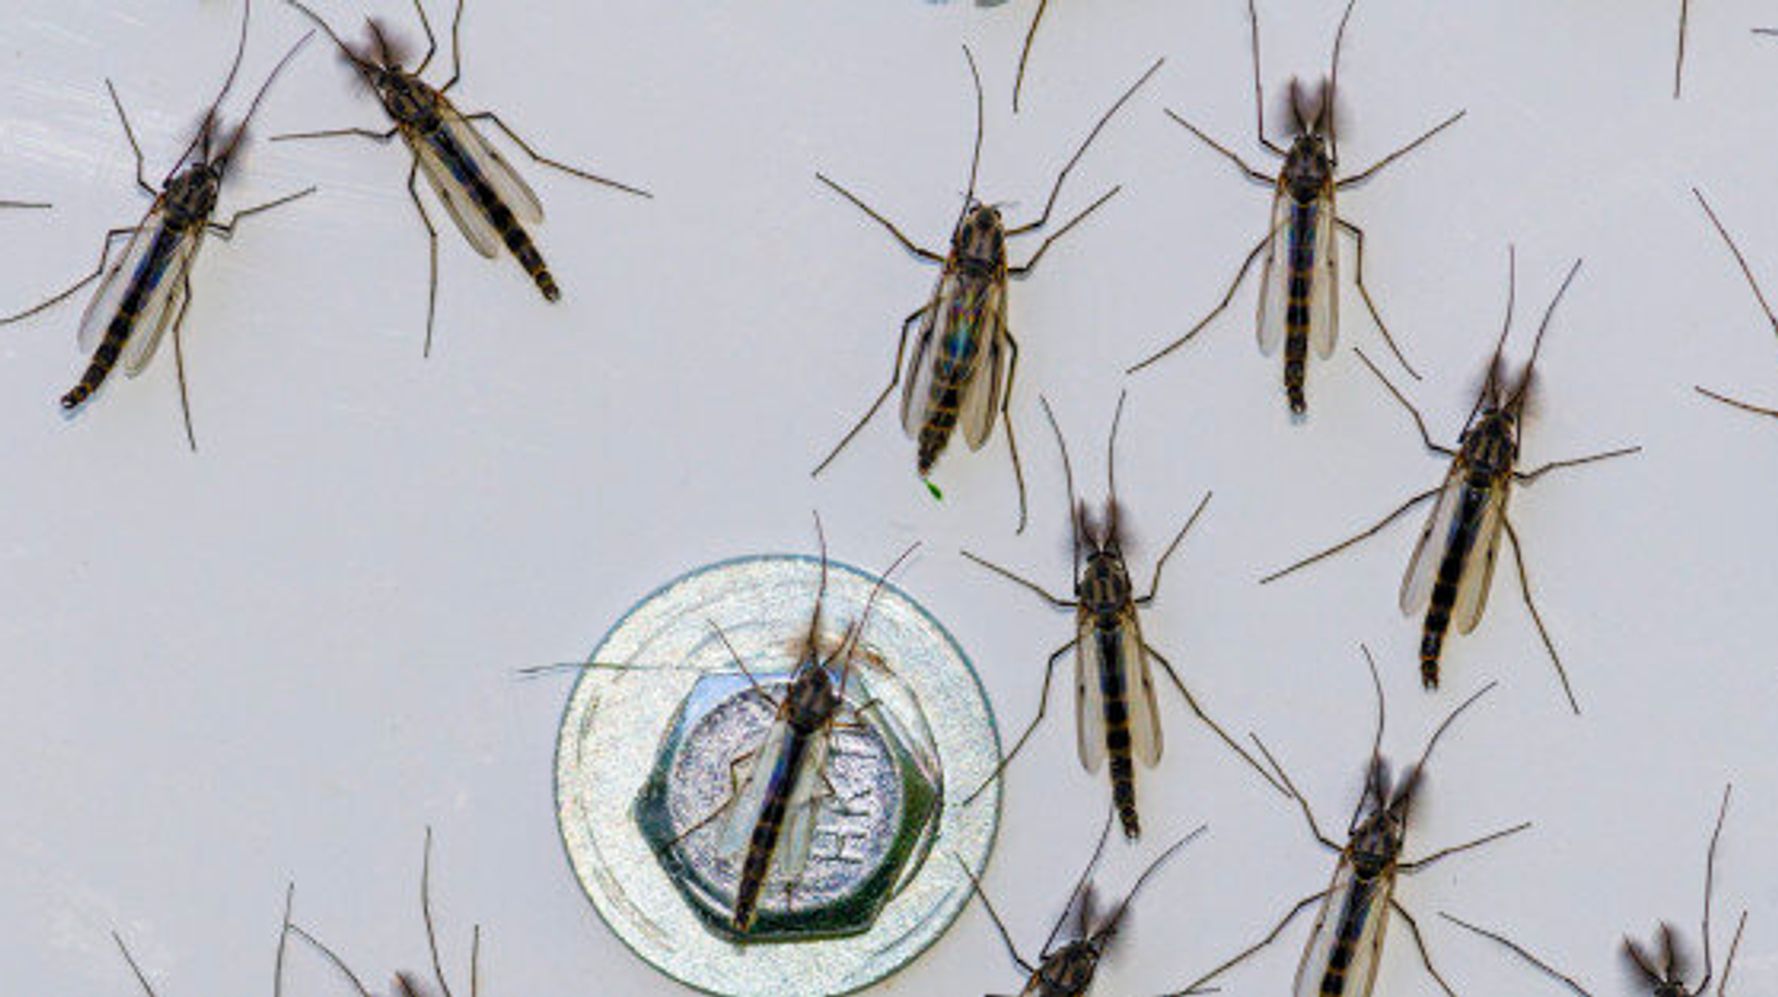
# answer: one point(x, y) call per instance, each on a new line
point(1065, 967)
point(1746, 271)
point(489, 201)
point(1346, 945)
point(1299, 303)
point(408, 984)
point(147, 290)
point(1661, 968)
point(965, 358)
point(1452, 569)
point(278, 966)
point(1115, 713)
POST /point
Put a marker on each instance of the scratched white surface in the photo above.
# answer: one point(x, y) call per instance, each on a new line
point(283, 657)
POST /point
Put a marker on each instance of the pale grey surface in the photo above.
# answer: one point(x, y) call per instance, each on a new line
point(286, 655)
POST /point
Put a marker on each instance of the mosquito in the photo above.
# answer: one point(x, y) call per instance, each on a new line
point(1299, 284)
point(1746, 271)
point(966, 358)
point(1346, 946)
point(1662, 967)
point(1115, 715)
point(489, 201)
point(1452, 569)
point(408, 984)
point(278, 967)
point(148, 289)
point(1066, 967)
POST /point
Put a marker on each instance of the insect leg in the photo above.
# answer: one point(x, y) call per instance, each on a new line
point(1519, 950)
point(1740, 258)
point(894, 379)
point(283, 941)
point(1512, 535)
point(901, 237)
point(1192, 702)
point(1031, 264)
point(1251, 949)
point(1043, 702)
point(1365, 174)
point(475, 961)
point(1074, 160)
point(1532, 475)
point(60, 296)
point(377, 136)
point(1722, 814)
point(1257, 176)
point(1025, 53)
point(130, 134)
point(554, 163)
point(1419, 422)
point(26, 204)
point(179, 358)
point(333, 957)
point(456, 49)
point(226, 230)
point(125, 949)
point(1012, 442)
point(1416, 865)
point(426, 913)
point(1722, 988)
point(1005, 936)
point(1227, 297)
point(1008, 574)
point(734, 789)
point(1259, 90)
point(1679, 56)
point(431, 40)
point(1364, 292)
point(1301, 800)
point(1154, 585)
point(1737, 403)
point(1420, 943)
point(413, 173)
point(1342, 545)
point(742, 665)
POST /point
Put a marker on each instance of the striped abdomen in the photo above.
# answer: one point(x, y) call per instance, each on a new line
point(1116, 697)
point(117, 332)
point(498, 214)
point(764, 842)
point(957, 359)
point(1300, 255)
point(1465, 522)
point(1354, 918)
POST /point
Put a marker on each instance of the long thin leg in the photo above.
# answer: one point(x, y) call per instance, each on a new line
point(1005, 936)
point(1520, 950)
point(1536, 617)
point(1737, 403)
point(1296, 794)
point(1251, 949)
point(26, 204)
point(413, 193)
point(1364, 292)
point(1722, 814)
point(1342, 545)
point(1012, 442)
point(179, 359)
point(431, 39)
point(1154, 585)
point(1722, 988)
point(374, 136)
point(1221, 306)
point(1420, 943)
point(283, 941)
point(554, 163)
point(894, 379)
point(734, 790)
point(1256, 175)
point(1679, 56)
point(1042, 593)
point(1043, 701)
point(1526, 477)
point(426, 914)
point(475, 961)
point(1259, 90)
point(1420, 863)
point(1025, 53)
point(333, 957)
point(907, 243)
point(742, 665)
point(1031, 264)
point(1365, 174)
point(226, 230)
point(456, 49)
point(1192, 702)
point(1074, 160)
point(1740, 258)
point(130, 134)
point(1419, 422)
point(60, 296)
point(125, 949)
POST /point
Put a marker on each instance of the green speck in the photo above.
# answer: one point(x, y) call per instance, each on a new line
point(940, 496)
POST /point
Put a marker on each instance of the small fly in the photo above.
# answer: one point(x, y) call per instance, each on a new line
point(489, 201)
point(1115, 714)
point(278, 966)
point(407, 984)
point(1067, 969)
point(148, 289)
point(1746, 271)
point(1299, 303)
point(1346, 946)
point(1452, 569)
point(966, 358)
point(1661, 968)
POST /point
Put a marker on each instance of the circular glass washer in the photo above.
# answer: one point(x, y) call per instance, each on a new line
point(623, 704)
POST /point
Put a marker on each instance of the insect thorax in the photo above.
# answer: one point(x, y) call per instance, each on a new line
point(811, 700)
point(978, 246)
point(1376, 845)
point(1308, 168)
point(1491, 446)
point(407, 98)
point(1104, 589)
point(1068, 971)
point(190, 197)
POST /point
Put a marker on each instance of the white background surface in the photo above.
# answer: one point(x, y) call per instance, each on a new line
point(285, 656)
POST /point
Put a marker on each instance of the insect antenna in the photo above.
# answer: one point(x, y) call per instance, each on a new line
point(241, 129)
point(1728, 965)
point(1640, 962)
point(1025, 53)
point(333, 957)
point(1722, 814)
point(821, 588)
point(1098, 127)
point(975, 884)
point(127, 957)
point(1080, 885)
point(200, 142)
point(345, 50)
point(849, 646)
point(1331, 91)
point(1108, 930)
point(1517, 399)
point(1113, 535)
point(1410, 779)
point(1375, 773)
point(975, 156)
point(1489, 395)
point(1685, 8)
point(1077, 513)
point(426, 913)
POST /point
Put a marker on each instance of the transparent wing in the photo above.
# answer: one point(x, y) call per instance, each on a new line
point(161, 309)
point(1274, 277)
point(506, 182)
point(981, 399)
point(454, 195)
point(798, 836)
point(1416, 585)
point(1145, 716)
point(1089, 699)
point(1324, 283)
point(116, 281)
point(917, 379)
point(1350, 926)
point(1478, 573)
point(744, 808)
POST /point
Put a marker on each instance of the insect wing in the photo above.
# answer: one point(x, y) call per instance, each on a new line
point(452, 191)
point(798, 835)
point(1342, 955)
point(161, 309)
point(1089, 698)
point(1274, 277)
point(499, 173)
point(1478, 573)
point(749, 801)
point(981, 399)
point(116, 282)
point(917, 379)
point(1324, 286)
point(1416, 585)
point(1145, 715)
